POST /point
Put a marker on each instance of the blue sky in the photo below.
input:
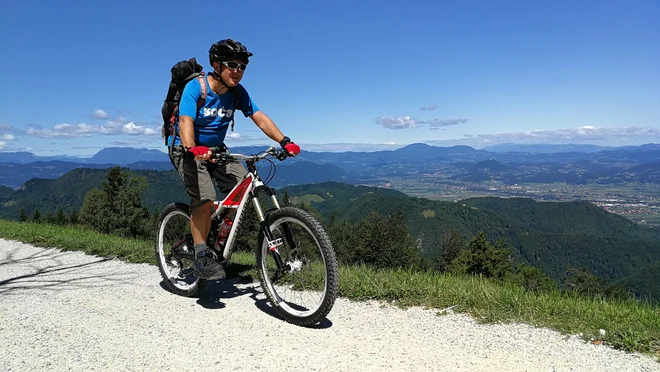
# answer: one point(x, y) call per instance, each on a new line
point(342, 75)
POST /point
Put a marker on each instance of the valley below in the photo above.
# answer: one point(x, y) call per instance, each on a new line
point(638, 202)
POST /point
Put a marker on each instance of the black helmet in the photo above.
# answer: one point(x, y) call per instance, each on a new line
point(228, 49)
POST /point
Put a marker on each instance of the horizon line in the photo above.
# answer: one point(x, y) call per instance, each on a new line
point(341, 147)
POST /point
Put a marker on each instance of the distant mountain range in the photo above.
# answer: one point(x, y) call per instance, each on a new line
point(128, 155)
point(553, 149)
point(507, 163)
point(110, 155)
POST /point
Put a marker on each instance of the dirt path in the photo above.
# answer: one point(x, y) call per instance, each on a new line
point(71, 311)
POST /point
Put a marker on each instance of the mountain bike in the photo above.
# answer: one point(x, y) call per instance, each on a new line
point(295, 259)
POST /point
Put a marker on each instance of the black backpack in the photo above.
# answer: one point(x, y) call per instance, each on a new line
point(182, 73)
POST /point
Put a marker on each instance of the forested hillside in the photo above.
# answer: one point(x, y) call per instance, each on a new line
point(164, 187)
point(68, 191)
point(549, 235)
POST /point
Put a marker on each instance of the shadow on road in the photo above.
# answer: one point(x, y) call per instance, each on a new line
point(45, 270)
point(216, 291)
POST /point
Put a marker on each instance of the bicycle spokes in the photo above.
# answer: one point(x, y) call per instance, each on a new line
point(298, 254)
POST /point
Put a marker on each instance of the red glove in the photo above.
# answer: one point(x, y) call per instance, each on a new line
point(199, 150)
point(292, 148)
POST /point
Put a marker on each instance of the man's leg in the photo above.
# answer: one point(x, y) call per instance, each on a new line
point(200, 222)
point(199, 187)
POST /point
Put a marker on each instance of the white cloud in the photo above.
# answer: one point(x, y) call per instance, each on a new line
point(437, 123)
point(7, 129)
point(111, 127)
point(100, 114)
point(78, 129)
point(2, 145)
point(429, 108)
point(619, 136)
point(392, 122)
point(68, 131)
point(586, 134)
point(132, 129)
point(234, 137)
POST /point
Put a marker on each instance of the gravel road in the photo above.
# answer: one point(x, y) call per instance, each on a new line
point(76, 312)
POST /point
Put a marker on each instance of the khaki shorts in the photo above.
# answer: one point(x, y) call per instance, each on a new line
point(198, 176)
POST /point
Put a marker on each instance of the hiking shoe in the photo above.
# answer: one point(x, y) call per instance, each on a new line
point(207, 268)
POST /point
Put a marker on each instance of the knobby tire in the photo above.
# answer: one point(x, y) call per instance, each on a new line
point(307, 224)
point(162, 249)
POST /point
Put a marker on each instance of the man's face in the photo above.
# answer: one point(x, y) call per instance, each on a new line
point(232, 72)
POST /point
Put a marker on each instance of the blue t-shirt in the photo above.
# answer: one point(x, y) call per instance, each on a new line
point(212, 120)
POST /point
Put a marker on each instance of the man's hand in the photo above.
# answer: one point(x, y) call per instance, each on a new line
point(289, 146)
point(200, 152)
point(292, 148)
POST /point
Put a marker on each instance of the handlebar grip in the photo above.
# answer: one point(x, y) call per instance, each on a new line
point(221, 157)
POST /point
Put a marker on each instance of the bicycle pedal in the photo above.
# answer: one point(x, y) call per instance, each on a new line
point(185, 272)
point(212, 254)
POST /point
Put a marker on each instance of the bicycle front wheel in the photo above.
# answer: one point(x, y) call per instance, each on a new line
point(305, 291)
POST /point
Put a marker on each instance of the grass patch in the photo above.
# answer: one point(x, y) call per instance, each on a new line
point(78, 238)
point(630, 325)
point(428, 213)
point(307, 199)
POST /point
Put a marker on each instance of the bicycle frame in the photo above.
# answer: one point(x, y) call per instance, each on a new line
point(246, 189)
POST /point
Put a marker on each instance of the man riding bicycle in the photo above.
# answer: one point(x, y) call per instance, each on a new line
point(202, 129)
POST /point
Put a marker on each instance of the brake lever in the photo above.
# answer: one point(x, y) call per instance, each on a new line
point(281, 155)
point(221, 158)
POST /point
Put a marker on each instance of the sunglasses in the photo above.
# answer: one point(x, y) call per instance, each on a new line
point(234, 65)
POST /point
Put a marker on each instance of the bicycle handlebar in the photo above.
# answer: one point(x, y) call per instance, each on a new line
point(270, 152)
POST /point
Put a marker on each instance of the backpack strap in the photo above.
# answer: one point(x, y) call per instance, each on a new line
point(202, 84)
point(237, 102)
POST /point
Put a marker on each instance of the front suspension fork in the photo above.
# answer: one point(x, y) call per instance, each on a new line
point(272, 242)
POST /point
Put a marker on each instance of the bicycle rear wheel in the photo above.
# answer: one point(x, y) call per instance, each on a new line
point(305, 292)
point(175, 253)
